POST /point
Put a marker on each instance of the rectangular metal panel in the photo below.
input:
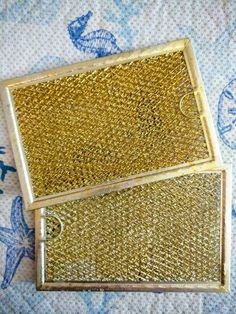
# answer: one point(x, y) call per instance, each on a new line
point(169, 235)
point(106, 124)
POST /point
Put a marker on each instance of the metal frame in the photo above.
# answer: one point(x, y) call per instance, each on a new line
point(222, 286)
point(32, 202)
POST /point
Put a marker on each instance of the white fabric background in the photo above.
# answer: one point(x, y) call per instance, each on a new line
point(33, 37)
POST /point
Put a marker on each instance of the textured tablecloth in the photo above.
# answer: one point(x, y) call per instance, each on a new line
point(34, 36)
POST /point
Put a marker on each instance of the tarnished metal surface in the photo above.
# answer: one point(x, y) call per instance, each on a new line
point(167, 231)
point(111, 123)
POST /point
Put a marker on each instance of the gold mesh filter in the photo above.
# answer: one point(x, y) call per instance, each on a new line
point(127, 116)
point(108, 124)
point(166, 232)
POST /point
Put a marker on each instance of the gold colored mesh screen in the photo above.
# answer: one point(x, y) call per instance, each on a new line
point(111, 123)
point(167, 231)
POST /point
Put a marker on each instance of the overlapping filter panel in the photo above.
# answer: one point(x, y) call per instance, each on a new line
point(166, 231)
point(111, 123)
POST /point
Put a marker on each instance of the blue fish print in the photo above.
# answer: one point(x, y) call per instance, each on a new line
point(234, 211)
point(29, 11)
point(19, 241)
point(105, 306)
point(23, 298)
point(123, 14)
point(5, 168)
point(2, 150)
point(227, 115)
point(226, 36)
point(100, 42)
point(47, 62)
